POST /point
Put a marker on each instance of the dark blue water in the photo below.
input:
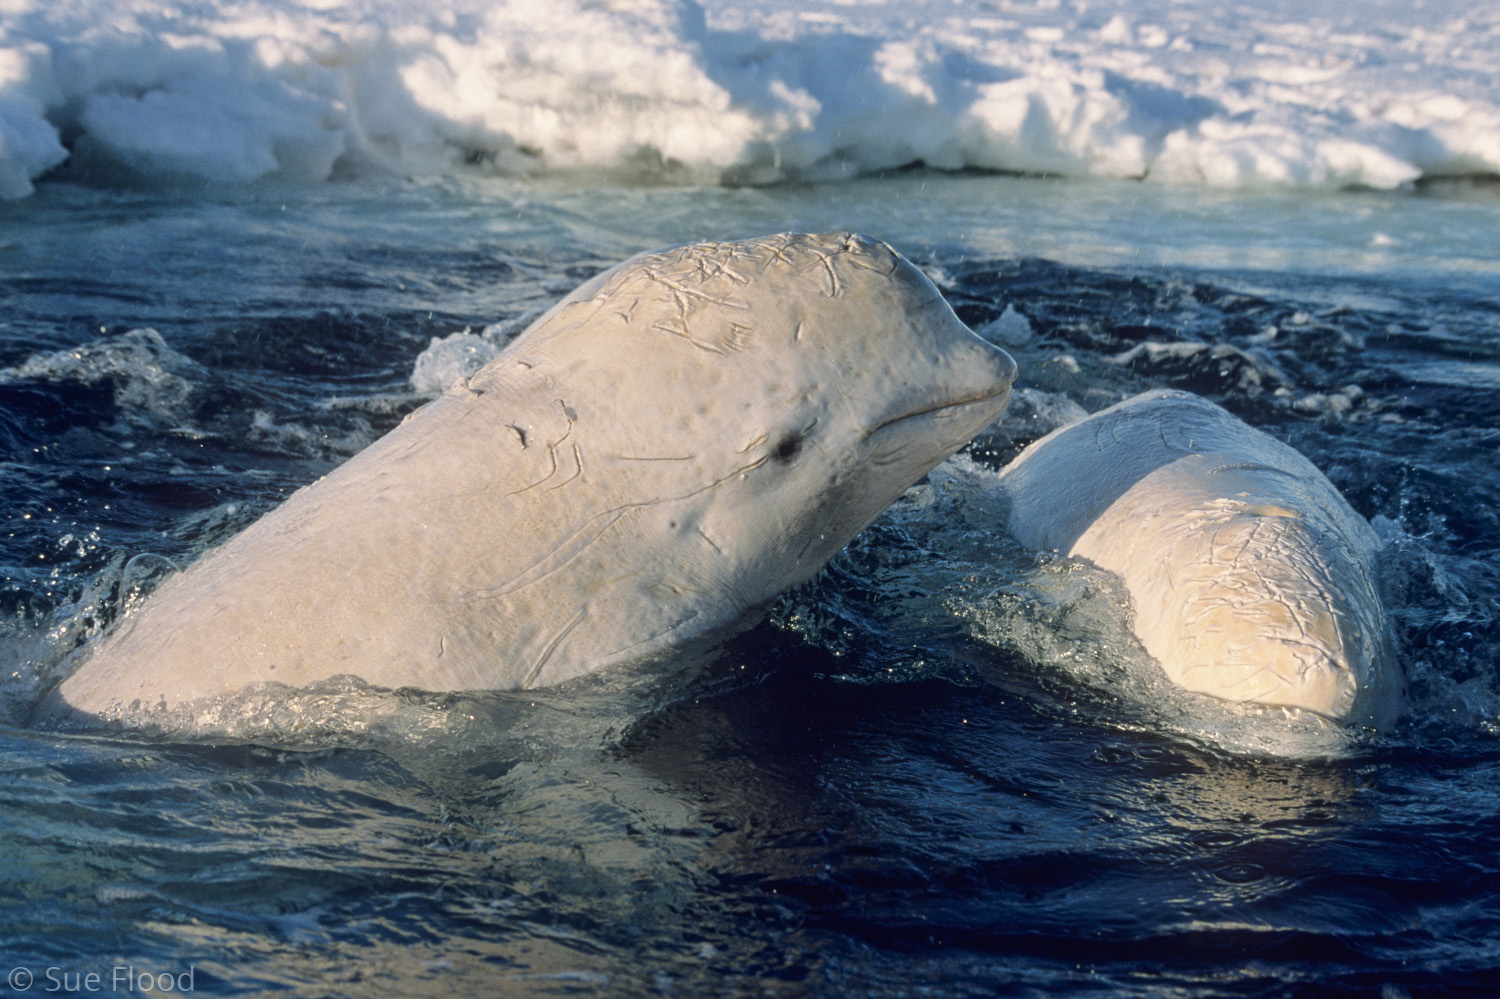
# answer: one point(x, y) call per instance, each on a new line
point(931, 772)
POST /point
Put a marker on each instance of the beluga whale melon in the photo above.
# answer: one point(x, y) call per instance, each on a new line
point(670, 447)
point(1250, 577)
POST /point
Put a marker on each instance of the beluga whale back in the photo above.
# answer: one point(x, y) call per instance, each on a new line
point(670, 447)
point(1250, 577)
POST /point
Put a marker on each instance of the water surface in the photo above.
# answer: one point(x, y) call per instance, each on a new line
point(941, 768)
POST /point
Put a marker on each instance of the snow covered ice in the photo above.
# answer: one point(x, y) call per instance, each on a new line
point(1312, 94)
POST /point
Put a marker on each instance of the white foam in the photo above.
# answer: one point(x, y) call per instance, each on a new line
point(1317, 93)
point(448, 360)
point(1011, 328)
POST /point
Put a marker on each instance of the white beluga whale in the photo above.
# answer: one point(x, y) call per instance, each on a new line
point(666, 450)
point(1250, 577)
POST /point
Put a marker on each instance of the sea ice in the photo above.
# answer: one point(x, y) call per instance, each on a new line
point(1318, 94)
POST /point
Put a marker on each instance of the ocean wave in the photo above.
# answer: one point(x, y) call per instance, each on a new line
point(1314, 94)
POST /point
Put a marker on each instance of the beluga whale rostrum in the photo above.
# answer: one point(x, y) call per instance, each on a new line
point(666, 450)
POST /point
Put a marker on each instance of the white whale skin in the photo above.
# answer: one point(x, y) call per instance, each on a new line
point(1250, 577)
point(666, 450)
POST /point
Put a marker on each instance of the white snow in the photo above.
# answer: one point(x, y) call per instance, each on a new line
point(1318, 93)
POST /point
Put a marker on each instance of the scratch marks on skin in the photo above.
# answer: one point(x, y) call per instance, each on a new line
point(571, 417)
point(685, 335)
point(572, 546)
point(552, 457)
point(627, 313)
point(586, 535)
point(1264, 536)
point(778, 250)
point(852, 246)
point(551, 647)
point(797, 253)
point(1252, 466)
point(825, 260)
point(711, 543)
point(689, 277)
point(683, 292)
point(686, 299)
point(657, 636)
point(1258, 680)
point(1272, 584)
point(577, 469)
point(775, 252)
point(709, 268)
point(755, 442)
point(858, 252)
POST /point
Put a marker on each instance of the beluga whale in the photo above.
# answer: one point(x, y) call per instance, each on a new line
point(1250, 577)
point(658, 456)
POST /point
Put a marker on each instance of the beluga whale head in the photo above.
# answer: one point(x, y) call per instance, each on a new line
point(755, 405)
point(668, 448)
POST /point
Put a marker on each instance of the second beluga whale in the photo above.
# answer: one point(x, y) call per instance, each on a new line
point(1250, 576)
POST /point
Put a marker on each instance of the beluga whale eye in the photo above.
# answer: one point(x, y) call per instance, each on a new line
point(790, 445)
point(788, 448)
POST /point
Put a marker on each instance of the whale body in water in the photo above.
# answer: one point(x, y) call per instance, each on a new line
point(1250, 577)
point(671, 446)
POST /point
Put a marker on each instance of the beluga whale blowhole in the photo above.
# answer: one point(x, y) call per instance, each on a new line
point(662, 453)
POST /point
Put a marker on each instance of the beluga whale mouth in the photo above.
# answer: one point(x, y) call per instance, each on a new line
point(663, 452)
point(957, 420)
point(992, 402)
